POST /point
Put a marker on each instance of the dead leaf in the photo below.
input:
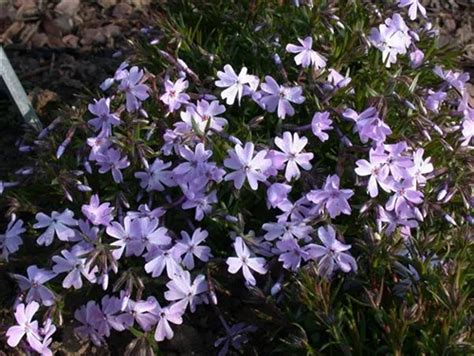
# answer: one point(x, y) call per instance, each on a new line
point(107, 3)
point(71, 41)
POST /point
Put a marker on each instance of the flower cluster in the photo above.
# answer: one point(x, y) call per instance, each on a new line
point(172, 183)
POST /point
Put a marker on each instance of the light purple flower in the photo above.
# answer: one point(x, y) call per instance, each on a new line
point(46, 332)
point(200, 201)
point(112, 160)
point(97, 213)
point(421, 167)
point(394, 220)
point(182, 291)
point(159, 259)
point(196, 163)
point(135, 92)
point(278, 97)
point(34, 285)
point(392, 156)
point(246, 166)
point(245, 262)
point(320, 123)
point(74, 264)
point(26, 326)
point(175, 95)
point(204, 116)
point(233, 83)
point(172, 313)
point(306, 55)
point(434, 100)
point(291, 146)
point(337, 80)
point(124, 234)
point(457, 80)
point(334, 199)
point(189, 246)
point(368, 124)
point(416, 58)
point(99, 146)
point(142, 312)
point(87, 315)
point(59, 223)
point(291, 254)
point(146, 234)
point(103, 118)
point(332, 254)
point(467, 130)
point(112, 316)
point(377, 171)
point(156, 177)
point(277, 193)
point(414, 6)
point(405, 193)
point(11, 240)
point(286, 230)
point(120, 73)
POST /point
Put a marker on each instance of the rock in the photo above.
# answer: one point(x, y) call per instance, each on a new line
point(122, 10)
point(107, 3)
point(68, 7)
point(71, 41)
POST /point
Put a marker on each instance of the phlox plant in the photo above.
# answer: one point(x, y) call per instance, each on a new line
point(258, 177)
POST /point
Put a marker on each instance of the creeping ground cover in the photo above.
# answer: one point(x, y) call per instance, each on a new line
point(260, 177)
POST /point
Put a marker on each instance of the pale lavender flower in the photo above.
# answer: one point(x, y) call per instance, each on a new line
point(287, 230)
point(334, 199)
point(11, 240)
point(99, 146)
point(145, 211)
point(58, 223)
point(159, 259)
point(291, 254)
point(421, 167)
point(46, 332)
point(457, 80)
point(189, 246)
point(246, 166)
point(414, 7)
point(156, 177)
point(291, 147)
point(103, 118)
point(320, 123)
point(112, 160)
point(337, 80)
point(112, 316)
point(146, 234)
point(120, 73)
point(277, 193)
point(377, 171)
point(391, 38)
point(124, 234)
point(245, 262)
point(196, 163)
point(172, 313)
point(233, 83)
point(185, 292)
point(97, 213)
point(200, 201)
point(34, 285)
point(416, 58)
point(87, 315)
point(278, 97)
point(26, 326)
point(332, 255)
point(175, 95)
point(204, 116)
point(405, 193)
point(74, 264)
point(467, 130)
point(434, 100)
point(368, 124)
point(392, 156)
point(306, 55)
point(142, 312)
point(393, 220)
point(135, 92)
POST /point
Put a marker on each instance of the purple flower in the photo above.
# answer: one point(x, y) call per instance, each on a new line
point(277, 193)
point(420, 167)
point(174, 95)
point(88, 315)
point(394, 220)
point(145, 211)
point(416, 58)
point(415, 5)
point(26, 326)
point(332, 254)
point(97, 213)
point(404, 193)
point(113, 161)
point(124, 235)
point(99, 146)
point(275, 96)
point(292, 155)
point(120, 73)
point(112, 316)
point(377, 171)
point(46, 332)
point(189, 246)
point(156, 177)
point(186, 293)
point(103, 119)
point(306, 55)
point(467, 130)
point(337, 80)
point(204, 116)
point(368, 125)
point(172, 313)
point(59, 223)
point(245, 262)
point(196, 165)
point(457, 80)
point(246, 166)
point(135, 92)
point(142, 312)
point(434, 100)
point(286, 230)
point(146, 235)
point(393, 159)
point(200, 201)
point(320, 123)
point(233, 83)
point(391, 38)
point(291, 254)
point(75, 265)
point(334, 199)
point(34, 285)
point(11, 240)
point(159, 259)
